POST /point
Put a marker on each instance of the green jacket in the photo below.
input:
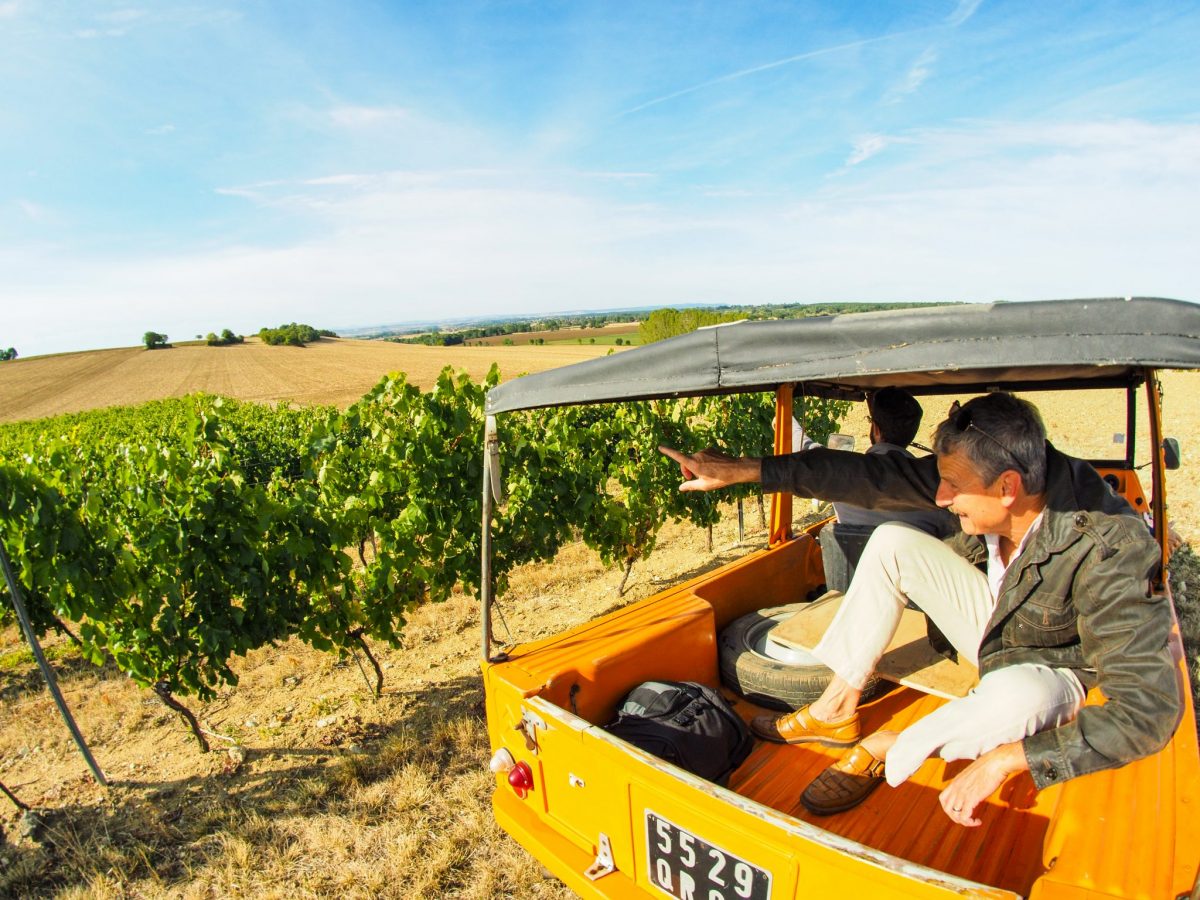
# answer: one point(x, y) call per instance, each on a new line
point(1078, 597)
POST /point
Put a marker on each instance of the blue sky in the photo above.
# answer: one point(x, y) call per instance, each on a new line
point(188, 167)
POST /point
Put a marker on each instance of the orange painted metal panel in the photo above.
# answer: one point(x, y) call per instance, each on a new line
point(1097, 836)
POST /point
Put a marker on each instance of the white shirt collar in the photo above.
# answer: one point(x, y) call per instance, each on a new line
point(996, 569)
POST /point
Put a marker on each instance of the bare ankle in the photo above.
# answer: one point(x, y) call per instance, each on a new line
point(832, 710)
point(879, 743)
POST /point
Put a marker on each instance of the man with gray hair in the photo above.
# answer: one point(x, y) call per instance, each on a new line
point(1063, 603)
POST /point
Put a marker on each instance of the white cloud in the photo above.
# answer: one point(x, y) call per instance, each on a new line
point(619, 176)
point(38, 213)
point(121, 16)
point(366, 116)
point(918, 73)
point(775, 64)
point(866, 147)
point(10, 9)
point(963, 11)
point(984, 210)
point(340, 180)
point(165, 128)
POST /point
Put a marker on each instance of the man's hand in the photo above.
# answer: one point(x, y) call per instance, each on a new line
point(979, 780)
point(711, 469)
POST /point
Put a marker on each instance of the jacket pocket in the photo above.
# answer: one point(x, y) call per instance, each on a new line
point(1045, 619)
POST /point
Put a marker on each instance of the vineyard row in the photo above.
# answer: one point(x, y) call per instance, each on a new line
point(173, 536)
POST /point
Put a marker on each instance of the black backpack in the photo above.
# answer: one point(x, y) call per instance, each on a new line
point(687, 724)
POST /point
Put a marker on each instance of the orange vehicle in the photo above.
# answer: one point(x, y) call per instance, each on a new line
point(610, 820)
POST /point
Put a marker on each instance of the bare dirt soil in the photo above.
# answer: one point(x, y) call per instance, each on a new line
point(331, 371)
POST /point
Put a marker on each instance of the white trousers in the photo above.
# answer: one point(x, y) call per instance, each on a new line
point(901, 563)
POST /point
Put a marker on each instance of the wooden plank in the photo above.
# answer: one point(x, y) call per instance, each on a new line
point(908, 660)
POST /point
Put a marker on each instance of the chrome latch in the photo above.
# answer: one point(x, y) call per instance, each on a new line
point(603, 864)
point(528, 726)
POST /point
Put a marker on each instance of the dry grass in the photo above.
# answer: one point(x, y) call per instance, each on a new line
point(334, 372)
point(340, 793)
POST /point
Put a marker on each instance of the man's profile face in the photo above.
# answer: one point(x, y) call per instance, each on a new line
point(979, 506)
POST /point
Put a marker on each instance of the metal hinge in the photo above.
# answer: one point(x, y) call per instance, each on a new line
point(603, 864)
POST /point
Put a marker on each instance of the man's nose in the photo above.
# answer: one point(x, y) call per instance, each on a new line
point(944, 496)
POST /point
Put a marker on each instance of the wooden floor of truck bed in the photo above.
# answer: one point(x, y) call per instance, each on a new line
point(1119, 832)
point(908, 822)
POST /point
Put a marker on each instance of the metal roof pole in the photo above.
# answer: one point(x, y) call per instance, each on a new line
point(1158, 472)
point(47, 673)
point(1130, 426)
point(781, 503)
point(491, 495)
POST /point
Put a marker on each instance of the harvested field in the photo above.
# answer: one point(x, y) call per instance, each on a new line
point(331, 371)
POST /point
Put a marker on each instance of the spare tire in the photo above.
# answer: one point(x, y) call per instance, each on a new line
point(767, 672)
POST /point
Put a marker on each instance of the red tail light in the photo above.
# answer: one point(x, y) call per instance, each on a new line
point(521, 779)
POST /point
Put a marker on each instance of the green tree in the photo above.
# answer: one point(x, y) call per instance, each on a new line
point(227, 337)
point(293, 334)
point(155, 341)
point(666, 323)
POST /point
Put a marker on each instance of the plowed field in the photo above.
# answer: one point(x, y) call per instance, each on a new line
point(335, 372)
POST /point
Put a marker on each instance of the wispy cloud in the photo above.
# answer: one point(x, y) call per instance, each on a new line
point(10, 9)
point(118, 23)
point(918, 73)
point(39, 213)
point(366, 116)
point(349, 179)
point(786, 61)
point(619, 176)
point(963, 11)
point(158, 130)
point(866, 147)
point(390, 245)
point(121, 16)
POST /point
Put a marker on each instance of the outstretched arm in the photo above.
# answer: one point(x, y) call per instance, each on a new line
point(712, 469)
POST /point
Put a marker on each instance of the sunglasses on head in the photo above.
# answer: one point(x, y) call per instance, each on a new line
point(962, 420)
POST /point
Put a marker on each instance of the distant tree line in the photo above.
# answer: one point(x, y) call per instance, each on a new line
point(226, 338)
point(6, 355)
point(293, 334)
point(679, 322)
point(665, 323)
point(436, 337)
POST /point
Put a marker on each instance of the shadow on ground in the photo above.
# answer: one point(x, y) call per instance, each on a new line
point(163, 830)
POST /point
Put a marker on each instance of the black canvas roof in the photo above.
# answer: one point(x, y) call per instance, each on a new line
point(1044, 343)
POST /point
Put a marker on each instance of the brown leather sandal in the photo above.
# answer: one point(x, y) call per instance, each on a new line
point(801, 727)
point(845, 784)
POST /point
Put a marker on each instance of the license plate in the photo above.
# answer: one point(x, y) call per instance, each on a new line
point(682, 865)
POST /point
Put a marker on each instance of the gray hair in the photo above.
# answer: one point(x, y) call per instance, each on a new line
point(998, 432)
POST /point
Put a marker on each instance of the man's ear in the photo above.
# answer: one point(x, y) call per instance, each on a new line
point(1010, 486)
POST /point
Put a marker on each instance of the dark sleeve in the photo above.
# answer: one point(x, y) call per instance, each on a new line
point(1123, 631)
point(869, 480)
